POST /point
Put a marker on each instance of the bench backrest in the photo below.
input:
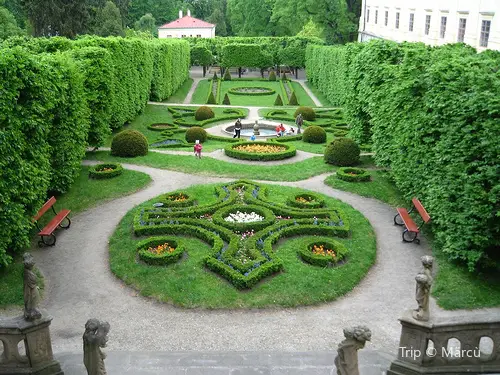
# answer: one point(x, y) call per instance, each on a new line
point(421, 210)
point(44, 208)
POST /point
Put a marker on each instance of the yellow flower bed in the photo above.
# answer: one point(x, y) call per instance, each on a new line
point(260, 149)
point(161, 249)
point(321, 250)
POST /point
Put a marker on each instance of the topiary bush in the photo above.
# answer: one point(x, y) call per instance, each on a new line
point(227, 75)
point(278, 101)
point(293, 99)
point(343, 152)
point(284, 77)
point(196, 133)
point(107, 170)
point(129, 143)
point(314, 134)
point(211, 99)
point(307, 113)
point(215, 78)
point(272, 76)
point(204, 113)
point(226, 100)
point(353, 174)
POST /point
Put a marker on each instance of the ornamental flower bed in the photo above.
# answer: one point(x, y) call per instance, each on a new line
point(353, 174)
point(160, 251)
point(323, 253)
point(108, 170)
point(243, 217)
point(179, 199)
point(307, 200)
point(262, 151)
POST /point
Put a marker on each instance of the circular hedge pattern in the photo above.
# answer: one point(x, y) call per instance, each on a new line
point(343, 152)
point(196, 133)
point(353, 174)
point(307, 113)
point(129, 143)
point(268, 218)
point(254, 90)
point(220, 261)
point(204, 113)
point(279, 152)
point(107, 170)
point(306, 200)
point(178, 199)
point(162, 259)
point(323, 253)
point(162, 126)
point(314, 134)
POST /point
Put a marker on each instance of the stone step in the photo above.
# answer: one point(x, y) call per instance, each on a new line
point(225, 363)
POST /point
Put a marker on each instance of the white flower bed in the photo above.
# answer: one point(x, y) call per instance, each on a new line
point(243, 217)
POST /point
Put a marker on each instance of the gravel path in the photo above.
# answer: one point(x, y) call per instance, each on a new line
point(80, 285)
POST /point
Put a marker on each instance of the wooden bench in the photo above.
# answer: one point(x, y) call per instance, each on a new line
point(403, 218)
point(48, 230)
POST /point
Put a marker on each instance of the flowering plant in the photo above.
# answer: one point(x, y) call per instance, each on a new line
point(161, 249)
point(243, 217)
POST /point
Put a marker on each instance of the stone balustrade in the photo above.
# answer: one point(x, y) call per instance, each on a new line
point(448, 346)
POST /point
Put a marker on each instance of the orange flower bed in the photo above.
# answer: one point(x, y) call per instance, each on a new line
point(321, 250)
point(161, 249)
point(260, 149)
point(106, 170)
point(304, 200)
point(178, 197)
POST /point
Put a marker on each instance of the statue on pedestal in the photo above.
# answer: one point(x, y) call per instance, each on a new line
point(422, 294)
point(31, 290)
point(347, 352)
point(95, 338)
point(256, 130)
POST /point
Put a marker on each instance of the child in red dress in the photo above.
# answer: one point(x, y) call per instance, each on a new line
point(197, 149)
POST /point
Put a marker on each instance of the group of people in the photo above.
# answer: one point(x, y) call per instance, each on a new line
point(281, 131)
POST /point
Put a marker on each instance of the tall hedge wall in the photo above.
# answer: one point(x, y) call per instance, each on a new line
point(433, 115)
point(58, 96)
point(241, 55)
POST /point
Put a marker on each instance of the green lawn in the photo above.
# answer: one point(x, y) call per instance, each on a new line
point(321, 97)
point(212, 167)
point(302, 96)
point(188, 283)
point(181, 94)
point(84, 194)
point(200, 94)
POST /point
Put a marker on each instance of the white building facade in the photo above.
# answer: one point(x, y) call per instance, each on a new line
point(187, 26)
point(434, 22)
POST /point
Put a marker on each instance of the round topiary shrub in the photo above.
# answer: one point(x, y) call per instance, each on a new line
point(196, 133)
point(353, 174)
point(204, 113)
point(343, 152)
point(307, 113)
point(314, 134)
point(129, 143)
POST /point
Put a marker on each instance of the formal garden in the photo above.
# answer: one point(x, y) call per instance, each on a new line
point(243, 243)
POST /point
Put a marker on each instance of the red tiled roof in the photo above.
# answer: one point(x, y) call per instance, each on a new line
point(187, 22)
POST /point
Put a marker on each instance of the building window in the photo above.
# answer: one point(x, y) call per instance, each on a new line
point(169, 36)
point(462, 22)
point(485, 33)
point(183, 36)
point(198, 36)
point(427, 24)
point(376, 16)
point(397, 20)
point(386, 17)
point(412, 20)
point(442, 32)
point(367, 15)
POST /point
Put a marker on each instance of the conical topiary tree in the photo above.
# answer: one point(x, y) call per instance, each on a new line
point(278, 101)
point(227, 75)
point(226, 100)
point(284, 77)
point(215, 78)
point(211, 99)
point(272, 76)
point(293, 99)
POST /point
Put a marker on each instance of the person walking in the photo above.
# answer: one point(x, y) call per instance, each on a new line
point(237, 129)
point(299, 121)
point(197, 149)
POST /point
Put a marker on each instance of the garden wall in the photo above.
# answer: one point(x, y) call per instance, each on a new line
point(58, 97)
point(433, 116)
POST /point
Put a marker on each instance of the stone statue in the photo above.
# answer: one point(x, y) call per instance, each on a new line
point(424, 283)
point(31, 290)
point(95, 338)
point(347, 352)
point(256, 129)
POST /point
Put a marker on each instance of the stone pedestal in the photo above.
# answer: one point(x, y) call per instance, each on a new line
point(38, 359)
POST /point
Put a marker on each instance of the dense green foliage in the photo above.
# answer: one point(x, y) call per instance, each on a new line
point(342, 152)
point(204, 113)
point(8, 24)
point(241, 55)
point(129, 143)
point(314, 134)
point(272, 76)
point(196, 133)
point(432, 115)
point(307, 113)
point(227, 75)
point(201, 55)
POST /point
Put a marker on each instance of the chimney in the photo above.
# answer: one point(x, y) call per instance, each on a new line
point(189, 13)
point(180, 13)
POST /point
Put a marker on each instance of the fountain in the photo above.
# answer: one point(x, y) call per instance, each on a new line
point(260, 128)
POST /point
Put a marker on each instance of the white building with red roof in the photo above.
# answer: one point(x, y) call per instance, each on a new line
point(185, 27)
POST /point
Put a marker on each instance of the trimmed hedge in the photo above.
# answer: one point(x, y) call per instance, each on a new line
point(323, 260)
point(288, 152)
point(227, 75)
point(97, 171)
point(196, 133)
point(204, 113)
point(272, 76)
point(312, 201)
point(353, 174)
point(160, 260)
point(278, 101)
point(226, 100)
point(342, 152)
point(129, 143)
point(169, 200)
point(267, 214)
point(314, 134)
point(307, 113)
point(265, 91)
